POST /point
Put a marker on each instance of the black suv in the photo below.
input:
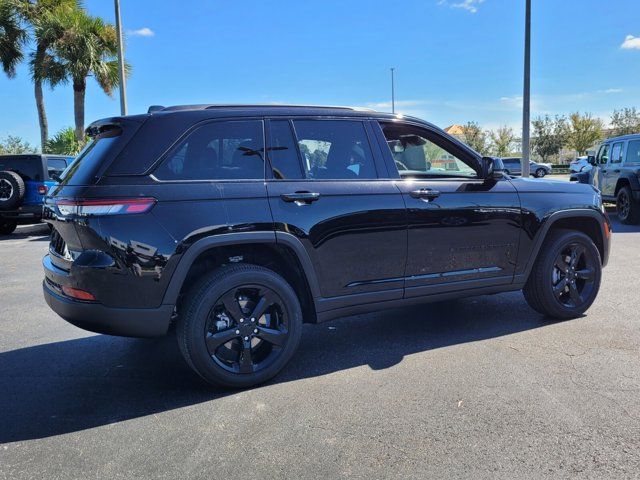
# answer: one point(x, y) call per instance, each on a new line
point(239, 223)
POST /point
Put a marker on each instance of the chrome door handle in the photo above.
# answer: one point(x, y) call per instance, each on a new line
point(425, 193)
point(301, 198)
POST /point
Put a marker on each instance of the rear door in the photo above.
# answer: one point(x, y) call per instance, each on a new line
point(328, 189)
point(463, 231)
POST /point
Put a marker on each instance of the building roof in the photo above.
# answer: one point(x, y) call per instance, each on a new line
point(455, 129)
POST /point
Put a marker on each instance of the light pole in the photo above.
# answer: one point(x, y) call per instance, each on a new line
point(123, 85)
point(393, 92)
point(526, 96)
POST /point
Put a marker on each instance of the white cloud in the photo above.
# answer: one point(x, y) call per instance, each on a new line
point(631, 42)
point(611, 90)
point(141, 32)
point(468, 5)
point(399, 103)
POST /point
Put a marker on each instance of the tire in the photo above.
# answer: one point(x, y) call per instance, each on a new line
point(12, 190)
point(213, 340)
point(7, 226)
point(628, 209)
point(549, 290)
point(541, 172)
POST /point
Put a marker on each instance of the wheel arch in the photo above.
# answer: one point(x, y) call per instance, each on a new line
point(282, 253)
point(627, 180)
point(592, 223)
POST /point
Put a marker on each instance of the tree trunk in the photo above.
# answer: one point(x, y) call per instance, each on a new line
point(42, 114)
point(79, 89)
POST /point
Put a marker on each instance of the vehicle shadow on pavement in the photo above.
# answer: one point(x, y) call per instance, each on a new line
point(35, 233)
point(88, 382)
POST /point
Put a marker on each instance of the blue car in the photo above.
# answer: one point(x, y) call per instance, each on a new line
point(24, 181)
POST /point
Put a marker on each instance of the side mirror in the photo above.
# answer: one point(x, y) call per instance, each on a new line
point(493, 168)
point(591, 159)
point(55, 176)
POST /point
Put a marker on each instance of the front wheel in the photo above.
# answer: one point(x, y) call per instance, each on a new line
point(541, 172)
point(7, 226)
point(565, 279)
point(628, 210)
point(241, 325)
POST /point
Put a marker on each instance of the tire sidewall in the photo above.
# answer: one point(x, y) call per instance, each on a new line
point(560, 310)
point(18, 186)
point(204, 365)
point(540, 173)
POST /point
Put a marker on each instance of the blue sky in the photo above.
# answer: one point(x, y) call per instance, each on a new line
point(455, 60)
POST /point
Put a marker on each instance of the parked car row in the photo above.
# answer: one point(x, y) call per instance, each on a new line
point(24, 181)
point(513, 166)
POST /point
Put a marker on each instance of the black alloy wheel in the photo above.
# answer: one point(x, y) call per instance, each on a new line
point(573, 275)
point(239, 325)
point(628, 210)
point(565, 278)
point(247, 329)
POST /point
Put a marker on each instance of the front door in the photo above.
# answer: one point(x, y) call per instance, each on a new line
point(611, 171)
point(463, 230)
point(326, 192)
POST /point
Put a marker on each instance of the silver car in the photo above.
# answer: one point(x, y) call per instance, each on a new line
point(512, 167)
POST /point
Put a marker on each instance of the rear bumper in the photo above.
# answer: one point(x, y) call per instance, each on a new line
point(95, 317)
point(23, 214)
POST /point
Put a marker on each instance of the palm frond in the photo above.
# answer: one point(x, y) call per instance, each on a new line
point(13, 38)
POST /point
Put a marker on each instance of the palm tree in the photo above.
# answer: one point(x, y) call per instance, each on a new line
point(86, 46)
point(13, 38)
point(14, 15)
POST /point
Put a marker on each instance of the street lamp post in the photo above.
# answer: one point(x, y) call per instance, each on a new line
point(123, 85)
point(393, 92)
point(526, 97)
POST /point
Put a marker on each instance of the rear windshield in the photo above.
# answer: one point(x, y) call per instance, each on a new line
point(83, 170)
point(29, 168)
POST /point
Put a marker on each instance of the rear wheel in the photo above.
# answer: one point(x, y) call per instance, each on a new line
point(241, 325)
point(565, 279)
point(628, 209)
point(7, 226)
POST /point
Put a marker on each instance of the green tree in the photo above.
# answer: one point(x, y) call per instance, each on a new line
point(584, 131)
point(15, 145)
point(86, 46)
point(625, 121)
point(549, 135)
point(13, 38)
point(475, 137)
point(64, 142)
point(502, 141)
point(20, 21)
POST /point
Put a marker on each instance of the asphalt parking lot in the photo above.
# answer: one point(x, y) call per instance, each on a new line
point(480, 387)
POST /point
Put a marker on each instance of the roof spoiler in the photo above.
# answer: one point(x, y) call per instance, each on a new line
point(155, 108)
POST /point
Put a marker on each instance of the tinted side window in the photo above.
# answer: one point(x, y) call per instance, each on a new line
point(633, 152)
point(217, 151)
point(56, 166)
point(603, 154)
point(418, 152)
point(283, 153)
point(616, 153)
point(335, 149)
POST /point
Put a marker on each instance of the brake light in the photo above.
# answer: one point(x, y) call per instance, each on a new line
point(42, 189)
point(77, 293)
point(101, 207)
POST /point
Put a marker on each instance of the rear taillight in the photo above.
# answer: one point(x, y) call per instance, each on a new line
point(101, 207)
point(42, 189)
point(77, 293)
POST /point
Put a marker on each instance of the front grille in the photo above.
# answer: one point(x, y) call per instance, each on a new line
point(57, 244)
